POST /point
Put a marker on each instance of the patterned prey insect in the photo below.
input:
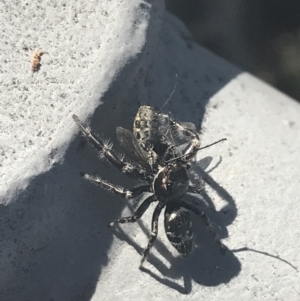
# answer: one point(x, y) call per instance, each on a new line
point(165, 169)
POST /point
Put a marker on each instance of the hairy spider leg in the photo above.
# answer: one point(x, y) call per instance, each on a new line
point(105, 149)
point(116, 189)
point(154, 231)
point(206, 222)
point(138, 213)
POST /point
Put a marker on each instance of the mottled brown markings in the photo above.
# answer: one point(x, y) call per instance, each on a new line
point(36, 59)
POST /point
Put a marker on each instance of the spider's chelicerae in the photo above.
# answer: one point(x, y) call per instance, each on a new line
point(162, 150)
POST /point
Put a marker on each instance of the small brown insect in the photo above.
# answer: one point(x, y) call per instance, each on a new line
point(35, 62)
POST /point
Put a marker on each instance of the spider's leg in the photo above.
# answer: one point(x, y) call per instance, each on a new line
point(105, 149)
point(116, 189)
point(137, 214)
point(206, 221)
point(154, 231)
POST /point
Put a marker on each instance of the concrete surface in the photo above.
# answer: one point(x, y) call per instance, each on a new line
point(105, 59)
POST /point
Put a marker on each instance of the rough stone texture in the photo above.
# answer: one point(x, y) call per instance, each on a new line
point(54, 243)
point(86, 45)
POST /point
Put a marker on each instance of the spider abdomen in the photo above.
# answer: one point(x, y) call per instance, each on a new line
point(178, 227)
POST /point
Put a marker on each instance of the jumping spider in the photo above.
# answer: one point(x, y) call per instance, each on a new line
point(164, 167)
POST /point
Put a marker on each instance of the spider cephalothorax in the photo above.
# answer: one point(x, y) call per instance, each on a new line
point(171, 182)
point(165, 169)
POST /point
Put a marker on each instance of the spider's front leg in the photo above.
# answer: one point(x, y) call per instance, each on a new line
point(116, 189)
point(207, 223)
point(105, 149)
point(154, 231)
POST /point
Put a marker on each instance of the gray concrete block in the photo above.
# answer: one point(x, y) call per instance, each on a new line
point(103, 61)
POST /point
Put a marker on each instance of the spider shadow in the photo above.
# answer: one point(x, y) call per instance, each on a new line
point(205, 266)
point(230, 209)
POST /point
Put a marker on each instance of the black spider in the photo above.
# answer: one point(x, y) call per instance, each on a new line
point(165, 166)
